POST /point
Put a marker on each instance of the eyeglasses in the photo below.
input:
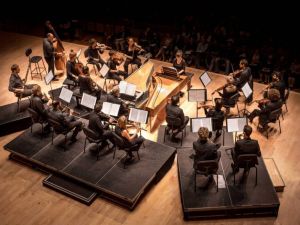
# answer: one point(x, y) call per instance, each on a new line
point(178, 55)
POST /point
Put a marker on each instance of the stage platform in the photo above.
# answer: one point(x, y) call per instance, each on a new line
point(106, 177)
point(11, 120)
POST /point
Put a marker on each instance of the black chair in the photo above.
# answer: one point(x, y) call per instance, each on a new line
point(246, 161)
point(121, 146)
point(92, 137)
point(58, 128)
point(19, 97)
point(273, 118)
point(207, 168)
point(69, 83)
point(35, 60)
point(174, 124)
point(35, 118)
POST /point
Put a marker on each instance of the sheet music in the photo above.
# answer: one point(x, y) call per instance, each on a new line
point(246, 89)
point(205, 79)
point(66, 95)
point(201, 122)
point(49, 77)
point(110, 108)
point(137, 115)
point(104, 70)
point(236, 124)
point(127, 88)
point(88, 101)
point(197, 95)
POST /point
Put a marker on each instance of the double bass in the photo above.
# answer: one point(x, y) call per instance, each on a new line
point(60, 57)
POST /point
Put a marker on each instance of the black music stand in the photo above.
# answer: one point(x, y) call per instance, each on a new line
point(48, 78)
point(247, 92)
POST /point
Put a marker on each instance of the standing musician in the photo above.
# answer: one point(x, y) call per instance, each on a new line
point(132, 51)
point(229, 91)
point(49, 53)
point(276, 83)
point(112, 63)
point(266, 106)
point(72, 72)
point(94, 52)
point(87, 85)
point(242, 76)
point(17, 85)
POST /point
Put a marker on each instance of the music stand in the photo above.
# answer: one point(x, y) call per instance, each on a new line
point(65, 95)
point(247, 91)
point(197, 95)
point(88, 101)
point(205, 79)
point(48, 78)
point(138, 116)
point(198, 122)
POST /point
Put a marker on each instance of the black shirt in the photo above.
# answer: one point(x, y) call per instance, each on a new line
point(93, 53)
point(95, 123)
point(247, 146)
point(280, 86)
point(48, 48)
point(15, 82)
point(180, 66)
point(86, 84)
point(72, 73)
point(175, 111)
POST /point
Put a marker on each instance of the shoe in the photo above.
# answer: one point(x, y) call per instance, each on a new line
point(73, 139)
point(181, 94)
point(234, 169)
point(175, 139)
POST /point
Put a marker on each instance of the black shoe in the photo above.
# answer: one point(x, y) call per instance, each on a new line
point(73, 139)
point(175, 139)
point(181, 94)
point(234, 169)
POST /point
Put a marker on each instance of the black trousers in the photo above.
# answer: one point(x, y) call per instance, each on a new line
point(136, 61)
point(98, 62)
point(50, 62)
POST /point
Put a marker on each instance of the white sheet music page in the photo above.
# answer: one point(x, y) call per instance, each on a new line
point(241, 123)
point(233, 125)
point(104, 70)
point(123, 86)
point(205, 79)
point(201, 122)
point(142, 116)
point(106, 107)
point(130, 89)
point(66, 95)
point(88, 101)
point(247, 91)
point(114, 110)
point(197, 95)
point(221, 181)
point(133, 114)
point(49, 77)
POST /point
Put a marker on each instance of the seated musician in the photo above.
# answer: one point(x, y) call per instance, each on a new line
point(180, 64)
point(243, 76)
point(72, 73)
point(93, 54)
point(217, 115)
point(266, 106)
point(278, 84)
point(229, 90)
point(87, 85)
point(66, 120)
point(96, 124)
point(17, 85)
point(204, 148)
point(114, 97)
point(132, 51)
point(174, 111)
point(129, 140)
point(112, 64)
point(245, 146)
point(38, 102)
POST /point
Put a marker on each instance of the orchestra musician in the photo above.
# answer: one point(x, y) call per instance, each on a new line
point(216, 114)
point(129, 140)
point(229, 90)
point(204, 149)
point(242, 76)
point(72, 72)
point(244, 146)
point(132, 51)
point(276, 83)
point(180, 64)
point(96, 124)
point(18, 85)
point(87, 85)
point(49, 53)
point(94, 52)
point(266, 106)
point(114, 97)
point(115, 60)
point(174, 111)
point(65, 119)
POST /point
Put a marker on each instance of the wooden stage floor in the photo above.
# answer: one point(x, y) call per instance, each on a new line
point(25, 201)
